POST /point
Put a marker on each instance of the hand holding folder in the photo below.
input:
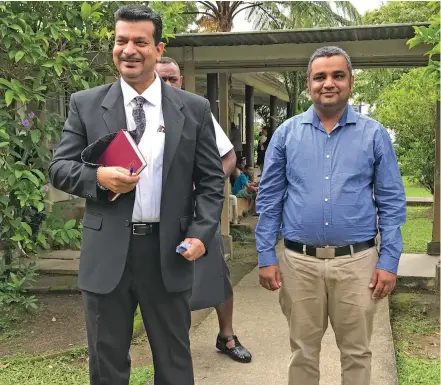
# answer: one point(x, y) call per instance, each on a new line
point(118, 180)
point(120, 157)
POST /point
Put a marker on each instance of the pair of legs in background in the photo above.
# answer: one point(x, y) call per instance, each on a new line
point(212, 287)
point(314, 290)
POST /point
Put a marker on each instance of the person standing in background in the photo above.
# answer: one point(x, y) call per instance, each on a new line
point(212, 285)
point(261, 148)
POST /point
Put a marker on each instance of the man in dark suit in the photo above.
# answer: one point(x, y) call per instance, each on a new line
point(128, 254)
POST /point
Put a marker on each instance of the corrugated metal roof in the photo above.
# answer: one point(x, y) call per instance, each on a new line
point(297, 36)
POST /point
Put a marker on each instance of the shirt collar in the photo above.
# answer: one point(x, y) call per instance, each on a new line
point(152, 94)
point(311, 117)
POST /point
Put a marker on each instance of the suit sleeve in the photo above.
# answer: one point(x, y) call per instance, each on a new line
point(209, 182)
point(67, 172)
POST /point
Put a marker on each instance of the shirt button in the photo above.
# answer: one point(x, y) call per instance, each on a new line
point(326, 199)
point(327, 156)
point(329, 136)
point(326, 177)
point(326, 223)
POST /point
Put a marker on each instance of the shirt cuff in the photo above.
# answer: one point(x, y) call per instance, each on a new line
point(389, 264)
point(268, 258)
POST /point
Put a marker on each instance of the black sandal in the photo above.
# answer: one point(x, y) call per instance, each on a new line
point(238, 353)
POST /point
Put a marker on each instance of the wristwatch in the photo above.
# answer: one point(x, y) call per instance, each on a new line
point(102, 188)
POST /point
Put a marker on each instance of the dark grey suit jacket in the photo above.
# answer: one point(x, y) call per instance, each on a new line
point(190, 156)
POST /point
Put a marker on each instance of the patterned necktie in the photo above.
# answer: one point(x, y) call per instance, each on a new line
point(139, 117)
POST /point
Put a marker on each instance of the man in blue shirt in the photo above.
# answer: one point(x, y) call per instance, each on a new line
point(331, 179)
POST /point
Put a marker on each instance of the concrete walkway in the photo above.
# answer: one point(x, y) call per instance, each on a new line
point(263, 329)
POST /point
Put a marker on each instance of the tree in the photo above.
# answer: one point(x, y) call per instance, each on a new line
point(303, 14)
point(370, 83)
point(408, 108)
point(219, 16)
point(430, 35)
point(399, 12)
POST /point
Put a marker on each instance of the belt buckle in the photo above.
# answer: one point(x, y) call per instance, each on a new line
point(147, 227)
point(326, 252)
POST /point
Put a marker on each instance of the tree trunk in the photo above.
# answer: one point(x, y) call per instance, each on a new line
point(225, 22)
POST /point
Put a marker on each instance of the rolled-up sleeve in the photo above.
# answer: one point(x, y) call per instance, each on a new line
point(390, 200)
point(269, 203)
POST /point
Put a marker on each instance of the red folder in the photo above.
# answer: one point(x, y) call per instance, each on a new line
point(122, 152)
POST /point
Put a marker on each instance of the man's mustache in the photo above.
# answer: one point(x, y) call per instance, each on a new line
point(130, 58)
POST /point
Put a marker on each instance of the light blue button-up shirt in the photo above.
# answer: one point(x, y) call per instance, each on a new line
point(327, 189)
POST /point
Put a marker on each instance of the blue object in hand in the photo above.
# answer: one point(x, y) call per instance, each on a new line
point(131, 170)
point(183, 246)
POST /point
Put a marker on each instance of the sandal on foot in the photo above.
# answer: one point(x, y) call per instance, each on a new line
point(238, 353)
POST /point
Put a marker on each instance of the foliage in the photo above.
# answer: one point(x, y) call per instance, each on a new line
point(14, 285)
point(369, 83)
point(430, 35)
point(414, 190)
point(217, 16)
point(408, 108)
point(303, 14)
point(263, 112)
point(399, 12)
point(46, 51)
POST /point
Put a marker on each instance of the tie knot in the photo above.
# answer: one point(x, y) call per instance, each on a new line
point(140, 100)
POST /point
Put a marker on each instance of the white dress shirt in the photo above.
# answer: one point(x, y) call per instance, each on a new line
point(223, 143)
point(149, 188)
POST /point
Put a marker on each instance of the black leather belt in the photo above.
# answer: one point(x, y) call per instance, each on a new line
point(145, 228)
point(329, 251)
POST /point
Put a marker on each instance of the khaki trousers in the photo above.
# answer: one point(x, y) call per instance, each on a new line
point(314, 289)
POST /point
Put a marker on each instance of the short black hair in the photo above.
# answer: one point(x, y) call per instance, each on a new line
point(329, 51)
point(136, 12)
point(247, 166)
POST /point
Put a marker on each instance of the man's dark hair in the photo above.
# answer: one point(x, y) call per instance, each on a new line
point(168, 60)
point(248, 166)
point(329, 51)
point(135, 12)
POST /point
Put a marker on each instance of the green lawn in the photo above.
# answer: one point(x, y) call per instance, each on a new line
point(58, 371)
point(418, 229)
point(413, 190)
point(415, 328)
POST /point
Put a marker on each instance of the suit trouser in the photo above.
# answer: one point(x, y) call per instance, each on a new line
point(166, 316)
point(314, 289)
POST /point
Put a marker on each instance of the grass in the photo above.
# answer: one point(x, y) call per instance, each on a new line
point(418, 229)
point(68, 369)
point(413, 190)
point(417, 371)
point(415, 327)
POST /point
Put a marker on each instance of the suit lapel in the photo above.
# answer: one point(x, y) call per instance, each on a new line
point(174, 123)
point(115, 115)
